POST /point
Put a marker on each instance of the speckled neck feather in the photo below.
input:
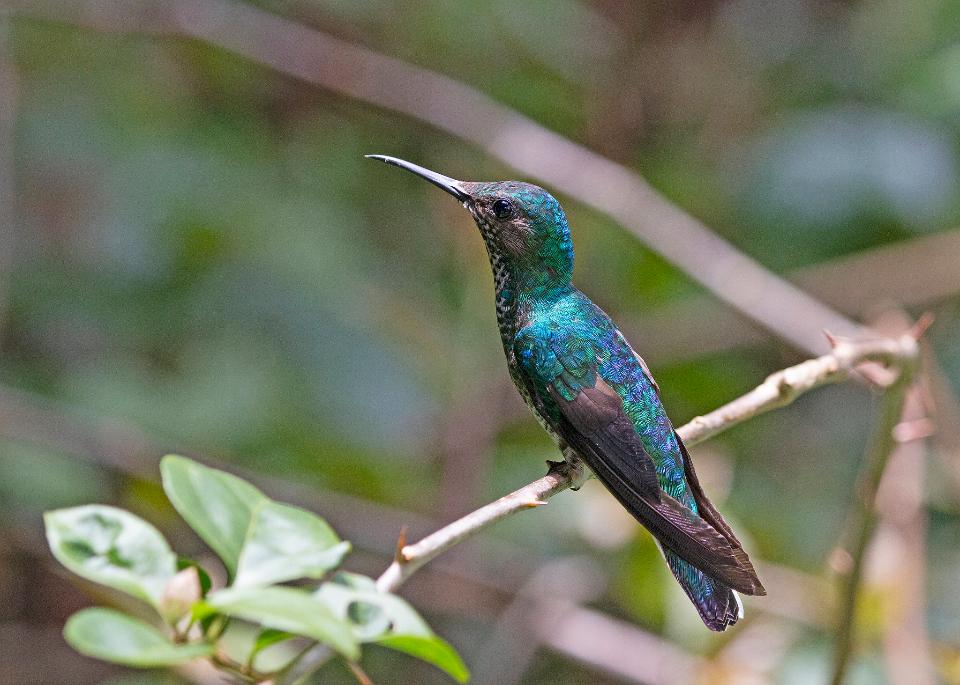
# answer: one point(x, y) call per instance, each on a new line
point(535, 266)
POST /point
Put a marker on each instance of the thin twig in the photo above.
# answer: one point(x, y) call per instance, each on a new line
point(945, 406)
point(412, 557)
point(899, 560)
point(778, 390)
point(359, 673)
point(783, 387)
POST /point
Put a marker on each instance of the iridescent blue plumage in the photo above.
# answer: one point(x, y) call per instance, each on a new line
point(567, 345)
point(594, 395)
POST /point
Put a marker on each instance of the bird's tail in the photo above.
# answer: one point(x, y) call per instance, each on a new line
point(717, 604)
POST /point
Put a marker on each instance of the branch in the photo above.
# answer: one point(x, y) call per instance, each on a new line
point(910, 273)
point(864, 515)
point(538, 610)
point(778, 390)
point(466, 113)
point(409, 558)
point(783, 387)
point(902, 534)
point(613, 646)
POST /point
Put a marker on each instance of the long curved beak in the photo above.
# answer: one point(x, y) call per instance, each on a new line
point(451, 185)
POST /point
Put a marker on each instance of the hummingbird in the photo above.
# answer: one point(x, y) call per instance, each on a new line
point(593, 394)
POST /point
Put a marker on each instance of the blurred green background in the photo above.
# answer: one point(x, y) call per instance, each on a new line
point(197, 258)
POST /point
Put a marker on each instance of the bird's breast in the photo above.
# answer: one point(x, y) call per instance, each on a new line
point(522, 388)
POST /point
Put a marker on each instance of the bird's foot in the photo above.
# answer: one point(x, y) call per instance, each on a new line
point(572, 467)
point(578, 472)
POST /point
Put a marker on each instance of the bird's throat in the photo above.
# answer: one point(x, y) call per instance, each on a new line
point(517, 291)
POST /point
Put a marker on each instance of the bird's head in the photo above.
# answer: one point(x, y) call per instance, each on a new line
point(523, 225)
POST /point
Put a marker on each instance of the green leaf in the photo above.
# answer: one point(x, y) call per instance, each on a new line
point(287, 609)
point(112, 636)
point(112, 547)
point(434, 650)
point(269, 637)
point(217, 505)
point(261, 542)
point(285, 543)
point(356, 599)
point(385, 619)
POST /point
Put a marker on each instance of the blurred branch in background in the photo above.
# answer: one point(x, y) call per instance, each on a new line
point(754, 652)
point(898, 567)
point(615, 647)
point(946, 408)
point(467, 438)
point(899, 564)
point(863, 519)
point(550, 592)
point(910, 273)
point(129, 450)
point(613, 189)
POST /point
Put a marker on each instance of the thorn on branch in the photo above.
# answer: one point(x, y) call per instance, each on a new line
point(917, 429)
point(831, 338)
point(535, 503)
point(398, 555)
point(921, 325)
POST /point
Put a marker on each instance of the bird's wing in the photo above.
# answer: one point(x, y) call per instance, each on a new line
point(561, 376)
point(704, 506)
point(597, 419)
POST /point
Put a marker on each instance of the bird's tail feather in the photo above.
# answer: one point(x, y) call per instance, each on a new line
point(718, 605)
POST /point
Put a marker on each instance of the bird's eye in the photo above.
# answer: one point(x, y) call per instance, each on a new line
point(503, 209)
